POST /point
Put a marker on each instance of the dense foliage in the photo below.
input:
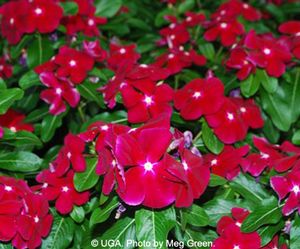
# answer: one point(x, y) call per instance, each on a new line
point(150, 124)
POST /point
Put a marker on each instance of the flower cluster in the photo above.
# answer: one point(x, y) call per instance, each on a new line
point(24, 215)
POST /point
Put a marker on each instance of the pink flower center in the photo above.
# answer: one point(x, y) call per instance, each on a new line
point(238, 224)
point(143, 65)
point(223, 25)
point(245, 6)
point(264, 155)
point(104, 127)
point(172, 37)
point(122, 51)
point(45, 185)
point(223, 12)
point(72, 63)
point(196, 95)
point(65, 189)
point(148, 100)
point(236, 247)
point(38, 11)
point(69, 155)
point(297, 34)
point(148, 166)
point(230, 116)
point(172, 25)
point(13, 129)
point(171, 56)
point(245, 62)
point(1, 67)
point(267, 51)
point(8, 188)
point(91, 22)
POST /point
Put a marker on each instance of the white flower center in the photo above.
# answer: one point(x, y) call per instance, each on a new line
point(36, 219)
point(13, 129)
point(245, 6)
point(11, 21)
point(104, 127)
point(188, 19)
point(65, 189)
point(297, 34)
point(122, 51)
point(236, 247)
point(91, 22)
point(45, 185)
point(264, 155)
point(223, 25)
point(172, 37)
point(185, 166)
point(245, 62)
point(148, 100)
point(69, 155)
point(196, 95)
point(230, 116)
point(38, 11)
point(172, 25)
point(58, 91)
point(296, 189)
point(8, 188)
point(223, 12)
point(143, 65)
point(243, 109)
point(171, 56)
point(1, 67)
point(72, 63)
point(213, 162)
point(238, 224)
point(267, 51)
point(148, 166)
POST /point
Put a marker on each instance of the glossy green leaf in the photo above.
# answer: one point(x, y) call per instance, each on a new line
point(8, 97)
point(49, 125)
point(77, 214)
point(267, 232)
point(250, 86)
point(269, 83)
point(29, 79)
point(196, 216)
point(105, 8)
point(210, 140)
point(295, 233)
point(89, 91)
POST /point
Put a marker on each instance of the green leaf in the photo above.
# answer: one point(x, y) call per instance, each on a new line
point(70, 8)
point(217, 208)
point(267, 233)
point(296, 138)
point(185, 6)
point(106, 8)
point(8, 97)
point(249, 189)
point(49, 125)
point(283, 105)
point(21, 138)
point(20, 161)
point(61, 234)
point(87, 179)
point(39, 51)
point(210, 140)
point(208, 51)
point(29, 79)
point(101, 214)
point(89, 91)
point(268, 212)
point(196, 216)
point(295, 233)
point(5, 245)
point(250, 86)
point(154, 225)
point(120, 234)
point(77, 214)
point(269, 83)
point(216, 180)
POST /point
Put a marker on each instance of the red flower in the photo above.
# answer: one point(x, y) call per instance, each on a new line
point(15, 121)
point(199, 97)
point(144, 179)
point(6, 70)
point(268, 53)
point(274, 244)
point(227, 163)
point(43, 15)
point(288, 186)
point(177, 59)
point(93, 49)
point(267, 156)
point(228, 123)
point(174, 35)
point(230, 233)
point(193, 19)
point(239, 60)
point(13, 20)
point(250, 112)
point(34, 223)
point(73, 63)
point(62, 190)
point(71, 153)
point(228, 31)
point(146, 100)
point(58, 91)
point(292, 28)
